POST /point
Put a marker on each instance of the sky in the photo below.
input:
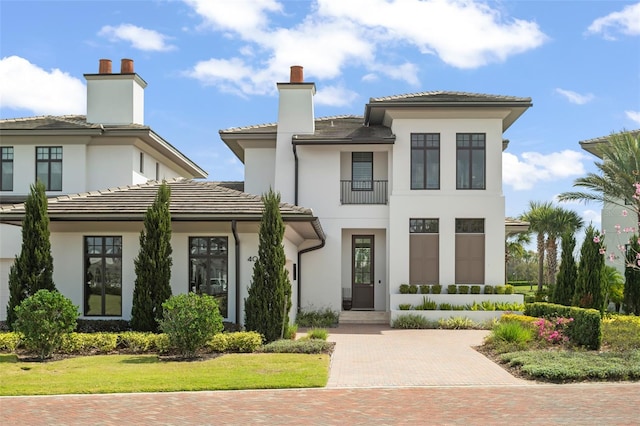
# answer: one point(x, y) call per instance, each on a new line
point(214, 64)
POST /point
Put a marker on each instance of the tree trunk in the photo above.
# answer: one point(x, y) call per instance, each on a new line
point(552, 260)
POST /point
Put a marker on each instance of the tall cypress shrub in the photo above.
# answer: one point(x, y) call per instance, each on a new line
point(32, 270)
point(631, 294)
point(153, 264)
point(568, 272)
point(589, 291)
point(269, 301)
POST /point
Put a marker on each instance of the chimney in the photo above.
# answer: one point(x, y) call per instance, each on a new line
point(115, 99)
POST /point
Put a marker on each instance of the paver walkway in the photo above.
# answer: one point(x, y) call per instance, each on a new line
point(379, 376)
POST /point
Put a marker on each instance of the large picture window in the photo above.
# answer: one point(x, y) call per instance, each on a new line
point(362, 171)
point(208, 268)
point(470, 161)
point(49, 167)
point(6, 177)
point(425, 161)
point(103, 276)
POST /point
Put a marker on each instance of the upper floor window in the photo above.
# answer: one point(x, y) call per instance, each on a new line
point(362, 171)
point(6, 177)
point(157, 171)
point(425, 161)
point(470, 161)
point(142, 162)
point(49, 167)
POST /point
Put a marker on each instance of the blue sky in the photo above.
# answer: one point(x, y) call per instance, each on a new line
point(213, 65)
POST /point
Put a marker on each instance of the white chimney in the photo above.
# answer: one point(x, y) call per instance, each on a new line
point(115, 98)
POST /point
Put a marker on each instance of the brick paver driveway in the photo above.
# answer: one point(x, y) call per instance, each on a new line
point(378, 376)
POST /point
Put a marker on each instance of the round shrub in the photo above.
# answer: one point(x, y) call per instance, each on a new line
point(43, 319)
point(190, 321)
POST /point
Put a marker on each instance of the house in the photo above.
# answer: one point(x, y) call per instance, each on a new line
point(612, 216)
point(95, 231)
point(410, 192)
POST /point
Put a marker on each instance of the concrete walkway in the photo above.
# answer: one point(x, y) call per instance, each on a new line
point(378, 376)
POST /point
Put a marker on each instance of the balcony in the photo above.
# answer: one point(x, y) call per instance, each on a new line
point(363, 192)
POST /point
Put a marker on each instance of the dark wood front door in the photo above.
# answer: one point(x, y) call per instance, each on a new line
point(362, 272)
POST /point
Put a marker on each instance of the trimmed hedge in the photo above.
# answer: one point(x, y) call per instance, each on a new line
point(584, 330)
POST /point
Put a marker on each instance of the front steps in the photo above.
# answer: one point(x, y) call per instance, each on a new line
point(364, 317)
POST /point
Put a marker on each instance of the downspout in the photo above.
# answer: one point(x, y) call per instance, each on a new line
point(295, 176)
point(237, 245)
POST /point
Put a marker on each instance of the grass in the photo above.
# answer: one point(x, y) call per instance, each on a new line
point(146, 373)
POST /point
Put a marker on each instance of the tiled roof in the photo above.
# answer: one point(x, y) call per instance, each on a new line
point(59, 122)
point(445, 96)
point(189, 199)
point(606, 138)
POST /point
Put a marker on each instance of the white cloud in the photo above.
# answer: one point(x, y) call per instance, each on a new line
point(592, 216)
point(533, 168)
point(140, 38)
point(574, 97)
point(334, 96)
point(24, 85)
point(626, 21)
point(633, 115)
point(337, 34)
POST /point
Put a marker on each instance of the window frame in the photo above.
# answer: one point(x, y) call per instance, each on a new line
point(209, 257)
point(470, 225)
point(362, 184)
point(423, 152)
point(49, 161)
point(5, 153)
point(424, 226)
point(103, 255)
point(470, 149)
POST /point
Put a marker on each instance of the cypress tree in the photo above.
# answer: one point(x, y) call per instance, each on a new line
point(589, 291)
point(153, 264)
point(269, 301)
point(631, 297)
point(568, 272)
point(32, 270)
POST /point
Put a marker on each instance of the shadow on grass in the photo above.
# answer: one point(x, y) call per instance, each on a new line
point(140, 359)
point(8, 358)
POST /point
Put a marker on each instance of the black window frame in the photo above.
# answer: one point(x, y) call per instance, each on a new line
point(210, 254)
point(470, 226)
point(472, 145)
point(362, 184)
point(6, 153)
point(103, 255)
point(424, 226)
point(49, 155)
point(420, 149)
point(142, 162)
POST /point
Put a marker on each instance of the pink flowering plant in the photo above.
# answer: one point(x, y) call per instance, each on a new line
point(553, 331)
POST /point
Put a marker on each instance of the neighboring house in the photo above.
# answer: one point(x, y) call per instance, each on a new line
point(612, 214)
point(409, 193)
point(94, 233)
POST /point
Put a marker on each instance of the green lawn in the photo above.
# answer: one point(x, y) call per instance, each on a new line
point(146, 373)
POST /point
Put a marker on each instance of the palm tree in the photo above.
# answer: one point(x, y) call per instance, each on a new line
point(619, 172)
point(559, 222)
point(538, 216)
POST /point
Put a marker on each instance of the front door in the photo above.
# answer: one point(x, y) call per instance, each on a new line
point(362, 272)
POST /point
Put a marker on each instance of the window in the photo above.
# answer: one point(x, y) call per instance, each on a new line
point(49, 167)
point(424, 226)
point(470, 160)
point(142, 162)
point(425, 161)
point(157, 171)
point(103, 276)
point(362, 171)
point(6, 177)
point(424, 251)
point(470, 257)
point(208, 257)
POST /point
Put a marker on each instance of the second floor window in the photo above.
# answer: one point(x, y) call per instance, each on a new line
point(49, 167)
point(362, 171)
point(425, 161)
point(6, 177)
point(470, 161)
